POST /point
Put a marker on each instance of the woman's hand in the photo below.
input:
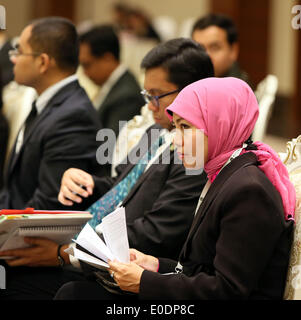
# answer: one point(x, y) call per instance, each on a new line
point(145, 261)
point(126, 275)
point(42, 253)
point(75, 184)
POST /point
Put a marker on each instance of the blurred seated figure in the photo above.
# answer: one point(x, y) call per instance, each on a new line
point(133, 50)
point(90, 87)
point(134, 44)
point(120, 14)
point(119, 98)
point(218, 34)
point(132, 20)
point(141, 25)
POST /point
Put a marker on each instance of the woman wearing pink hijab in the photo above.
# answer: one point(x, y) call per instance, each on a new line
point(239, 243)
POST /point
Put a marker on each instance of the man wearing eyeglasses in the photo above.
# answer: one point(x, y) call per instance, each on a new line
point(61, 127)
point(58, 133)
point(119, 95)
point(157, 206)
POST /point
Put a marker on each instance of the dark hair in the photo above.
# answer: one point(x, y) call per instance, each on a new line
point(102, 39)
point(58, 38)
point(185, 60)
point(218, 20)
point(121, 7)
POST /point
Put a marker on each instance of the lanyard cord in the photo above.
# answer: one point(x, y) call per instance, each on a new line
point(235, 154)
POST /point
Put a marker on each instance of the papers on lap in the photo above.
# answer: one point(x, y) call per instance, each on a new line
point(59, 226)
point(115, 247)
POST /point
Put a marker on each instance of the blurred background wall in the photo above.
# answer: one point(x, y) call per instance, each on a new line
point(268, 43)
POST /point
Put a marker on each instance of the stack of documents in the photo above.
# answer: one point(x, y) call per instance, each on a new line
point(115, 247)
point(59, 226)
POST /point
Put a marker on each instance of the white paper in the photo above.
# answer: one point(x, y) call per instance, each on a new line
point(116, 246)
point(80, 255)
point(115, 234)
point(98, 228)
point(90, 241)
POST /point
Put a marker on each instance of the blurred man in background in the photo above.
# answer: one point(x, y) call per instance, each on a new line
point(218, 34)
point(119, 98)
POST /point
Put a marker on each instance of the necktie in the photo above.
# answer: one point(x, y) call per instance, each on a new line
point(26, 128)
point(30, 119)
point(108, 202)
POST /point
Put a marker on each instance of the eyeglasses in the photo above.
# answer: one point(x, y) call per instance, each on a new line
point(155, 99)
point(15, 53)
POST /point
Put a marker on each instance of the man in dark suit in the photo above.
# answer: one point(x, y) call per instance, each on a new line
point(160, 205)
point(156, 206)
point(119, 98)
point(60, 131)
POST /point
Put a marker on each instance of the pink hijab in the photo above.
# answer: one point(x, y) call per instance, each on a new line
point(227, 110)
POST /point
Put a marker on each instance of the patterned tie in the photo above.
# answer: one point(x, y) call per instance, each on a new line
point(30, 119)
point(108, 202)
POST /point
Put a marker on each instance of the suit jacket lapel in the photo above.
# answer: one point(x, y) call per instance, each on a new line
point(239, 162)
point(11, 161)
point(15, 157)
point(56, 100)
point(106, 103)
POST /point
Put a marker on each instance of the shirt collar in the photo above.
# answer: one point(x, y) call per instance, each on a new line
point(115, 75)
point(45, 97)
point(108, 85)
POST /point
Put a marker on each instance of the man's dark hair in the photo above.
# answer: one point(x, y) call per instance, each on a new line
point(218, 20)
point(185, 61)
point(102, 39)
point(58, 38)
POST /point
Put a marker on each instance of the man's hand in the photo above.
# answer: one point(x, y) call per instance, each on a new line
point(42, 253)
point(75, 184)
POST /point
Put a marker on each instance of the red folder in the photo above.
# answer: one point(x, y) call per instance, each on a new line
point(9, 212)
